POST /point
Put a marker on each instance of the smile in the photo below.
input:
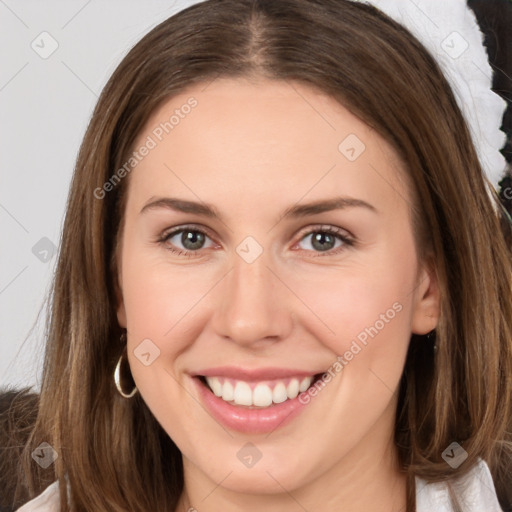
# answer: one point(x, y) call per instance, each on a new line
point(250, 406)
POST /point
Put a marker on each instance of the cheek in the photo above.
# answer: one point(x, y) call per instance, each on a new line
point(157, 298)
point(160, 302)
point(160, 296)
point(366, 314)
point(359, 305)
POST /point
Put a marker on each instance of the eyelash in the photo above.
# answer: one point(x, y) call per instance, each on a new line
point(347, 241)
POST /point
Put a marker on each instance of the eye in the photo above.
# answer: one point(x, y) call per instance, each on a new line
point(323, 239)
point(191, 238)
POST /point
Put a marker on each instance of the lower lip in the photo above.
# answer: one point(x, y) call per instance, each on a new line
point(253, 421)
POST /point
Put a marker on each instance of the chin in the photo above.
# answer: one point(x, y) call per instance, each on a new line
point(270, 476)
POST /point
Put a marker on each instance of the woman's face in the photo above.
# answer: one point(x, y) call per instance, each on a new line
point(307, 265)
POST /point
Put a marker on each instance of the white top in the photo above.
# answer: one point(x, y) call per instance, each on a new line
point(478, 495)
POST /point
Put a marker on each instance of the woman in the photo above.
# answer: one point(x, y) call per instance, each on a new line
point(271, 234)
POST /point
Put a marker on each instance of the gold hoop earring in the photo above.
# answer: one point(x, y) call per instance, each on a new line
point(117, 376)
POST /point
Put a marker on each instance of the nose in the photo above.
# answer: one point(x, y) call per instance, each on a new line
point(255, 306)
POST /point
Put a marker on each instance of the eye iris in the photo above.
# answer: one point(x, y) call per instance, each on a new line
point(323, 240)
point(195, 237)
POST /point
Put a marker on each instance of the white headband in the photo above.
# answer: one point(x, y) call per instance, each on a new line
point(450, 32)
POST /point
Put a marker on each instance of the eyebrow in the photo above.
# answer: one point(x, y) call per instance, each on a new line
point(296, 211)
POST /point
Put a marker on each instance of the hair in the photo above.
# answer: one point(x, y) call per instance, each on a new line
point(112, 451)
point(18, 411)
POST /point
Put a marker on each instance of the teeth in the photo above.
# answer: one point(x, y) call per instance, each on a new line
point(259, 395)
point(215, 386)
point(305, 383)
point(279, 394)
point(293, 388)
point(228, 392)
point(262, 395)
point(243, 394)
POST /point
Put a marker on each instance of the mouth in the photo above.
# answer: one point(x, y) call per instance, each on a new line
point(256, 400)
point(257, 394)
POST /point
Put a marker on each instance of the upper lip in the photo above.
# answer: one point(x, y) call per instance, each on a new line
point(253, 374)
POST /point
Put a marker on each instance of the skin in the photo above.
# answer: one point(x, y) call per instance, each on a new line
point(252, 149)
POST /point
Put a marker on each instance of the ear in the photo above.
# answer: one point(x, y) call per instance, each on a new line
point(427, 301)
point(120, 309)
point(118, 285)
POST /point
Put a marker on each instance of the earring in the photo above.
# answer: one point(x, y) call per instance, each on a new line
point(117, 374)
point(432, 335)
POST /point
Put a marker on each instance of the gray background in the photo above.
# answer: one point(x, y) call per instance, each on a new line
point(45, 105)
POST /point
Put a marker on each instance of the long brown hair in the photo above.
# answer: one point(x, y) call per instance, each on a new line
point(112, 451)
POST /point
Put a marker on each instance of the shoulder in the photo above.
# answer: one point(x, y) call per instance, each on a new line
point(48, 501)
point(475, 492)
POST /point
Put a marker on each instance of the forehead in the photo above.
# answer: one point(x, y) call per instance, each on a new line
point(263, 139)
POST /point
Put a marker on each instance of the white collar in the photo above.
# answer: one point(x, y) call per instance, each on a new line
point(475, 491)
